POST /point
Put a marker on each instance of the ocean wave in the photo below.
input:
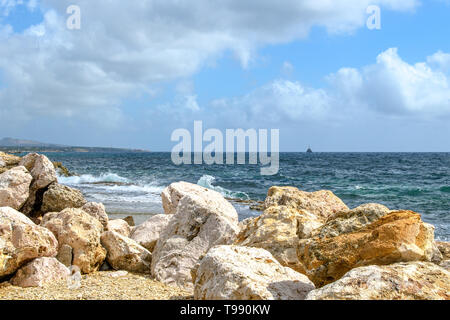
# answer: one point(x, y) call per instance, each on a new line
point(207, 182)
point(88, 178)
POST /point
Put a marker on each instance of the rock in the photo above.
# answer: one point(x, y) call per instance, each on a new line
point(65, 255)
point(352, 220)
point(82, 232)
point(147, 234)
point(321, 204)
point(14, 187)
point(61, 170)
point(126, 254)
point(59, 197)
point(243, 273)
point(201, 221)
point(22, 241)
point(278, 230)
point(40, 272)
point(8, 161)
point(129, 220)
point(97, 210)
point(44, 174)
point(290, 215)
point(399, 236)
point(120, 226)
point(400, 281)
point(173, 194)
point(444, 248)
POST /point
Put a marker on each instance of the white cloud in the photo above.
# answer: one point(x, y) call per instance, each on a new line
point(390, 87)
point(124, 50)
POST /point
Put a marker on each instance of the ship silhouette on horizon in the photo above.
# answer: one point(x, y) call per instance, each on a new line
point(309, 150)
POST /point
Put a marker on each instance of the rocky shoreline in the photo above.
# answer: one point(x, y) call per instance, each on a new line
point(56, 245)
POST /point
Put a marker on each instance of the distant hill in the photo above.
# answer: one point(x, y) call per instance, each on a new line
point(11, 142)
point(12, 145)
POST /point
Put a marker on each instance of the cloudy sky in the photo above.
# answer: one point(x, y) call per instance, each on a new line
point(137, 70)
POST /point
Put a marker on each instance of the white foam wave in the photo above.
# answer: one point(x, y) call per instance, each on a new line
point(88, 178)
point(207, 182)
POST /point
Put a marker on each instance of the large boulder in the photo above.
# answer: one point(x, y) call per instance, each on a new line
point(98, 211)
point(201, 221)
point(175, 192)
point(14, 187)
point(243, 273)
point(148, 233)
point(59, 197)
point(126, 254)
point(44, 174)
point(278, 230)
point(400, 281)
point(40, 272)
point(351, 220)
point(120, 226)
point(22, 241)
point(399, 236)
point(321, 204)
point(290, 215)
point(80, 231)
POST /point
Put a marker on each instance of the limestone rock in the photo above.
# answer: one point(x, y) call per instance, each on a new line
point(201, 221)
point(278, 230)
point(126, 254)
point(399, 236)
point(44, 174)
point(8, 161)
point(98, 211)
point(444, 248)
point(22, 241)
point(40, 272)
point(173, 194)
point(400, 281)
point(352, 220)
point(321, 204)
point(59, 197)
point(147, 234)
point(82, 232)
point(243, 273)
point(14, 187)
point(120, 226)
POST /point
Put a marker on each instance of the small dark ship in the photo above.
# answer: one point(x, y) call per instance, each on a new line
point(309, 150)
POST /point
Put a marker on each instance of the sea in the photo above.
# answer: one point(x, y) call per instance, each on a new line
point(131, 183)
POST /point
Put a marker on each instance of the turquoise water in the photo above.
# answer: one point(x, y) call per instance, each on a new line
point(131, 183)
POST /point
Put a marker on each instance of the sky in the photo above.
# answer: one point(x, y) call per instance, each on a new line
point(133, 73)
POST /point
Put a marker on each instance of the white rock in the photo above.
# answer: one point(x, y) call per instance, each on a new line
point(173, 194)
point(82, 232)
point(244, 273)
point(21, 241)
point(98, 211)
point(200, 222)
point(120, 226)
point(43, 172)
point(125, 254)
point(40, 272)
point(400, 281)
point(147, 234)
point(14, 187)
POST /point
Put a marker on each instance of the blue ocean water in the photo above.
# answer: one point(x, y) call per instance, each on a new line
point(131, 183)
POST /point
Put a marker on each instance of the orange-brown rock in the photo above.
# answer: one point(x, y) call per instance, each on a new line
point(399, 236)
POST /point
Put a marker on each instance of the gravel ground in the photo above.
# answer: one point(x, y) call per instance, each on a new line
point(99, 286)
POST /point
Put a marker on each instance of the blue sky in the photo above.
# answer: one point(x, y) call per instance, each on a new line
point(131, 75)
